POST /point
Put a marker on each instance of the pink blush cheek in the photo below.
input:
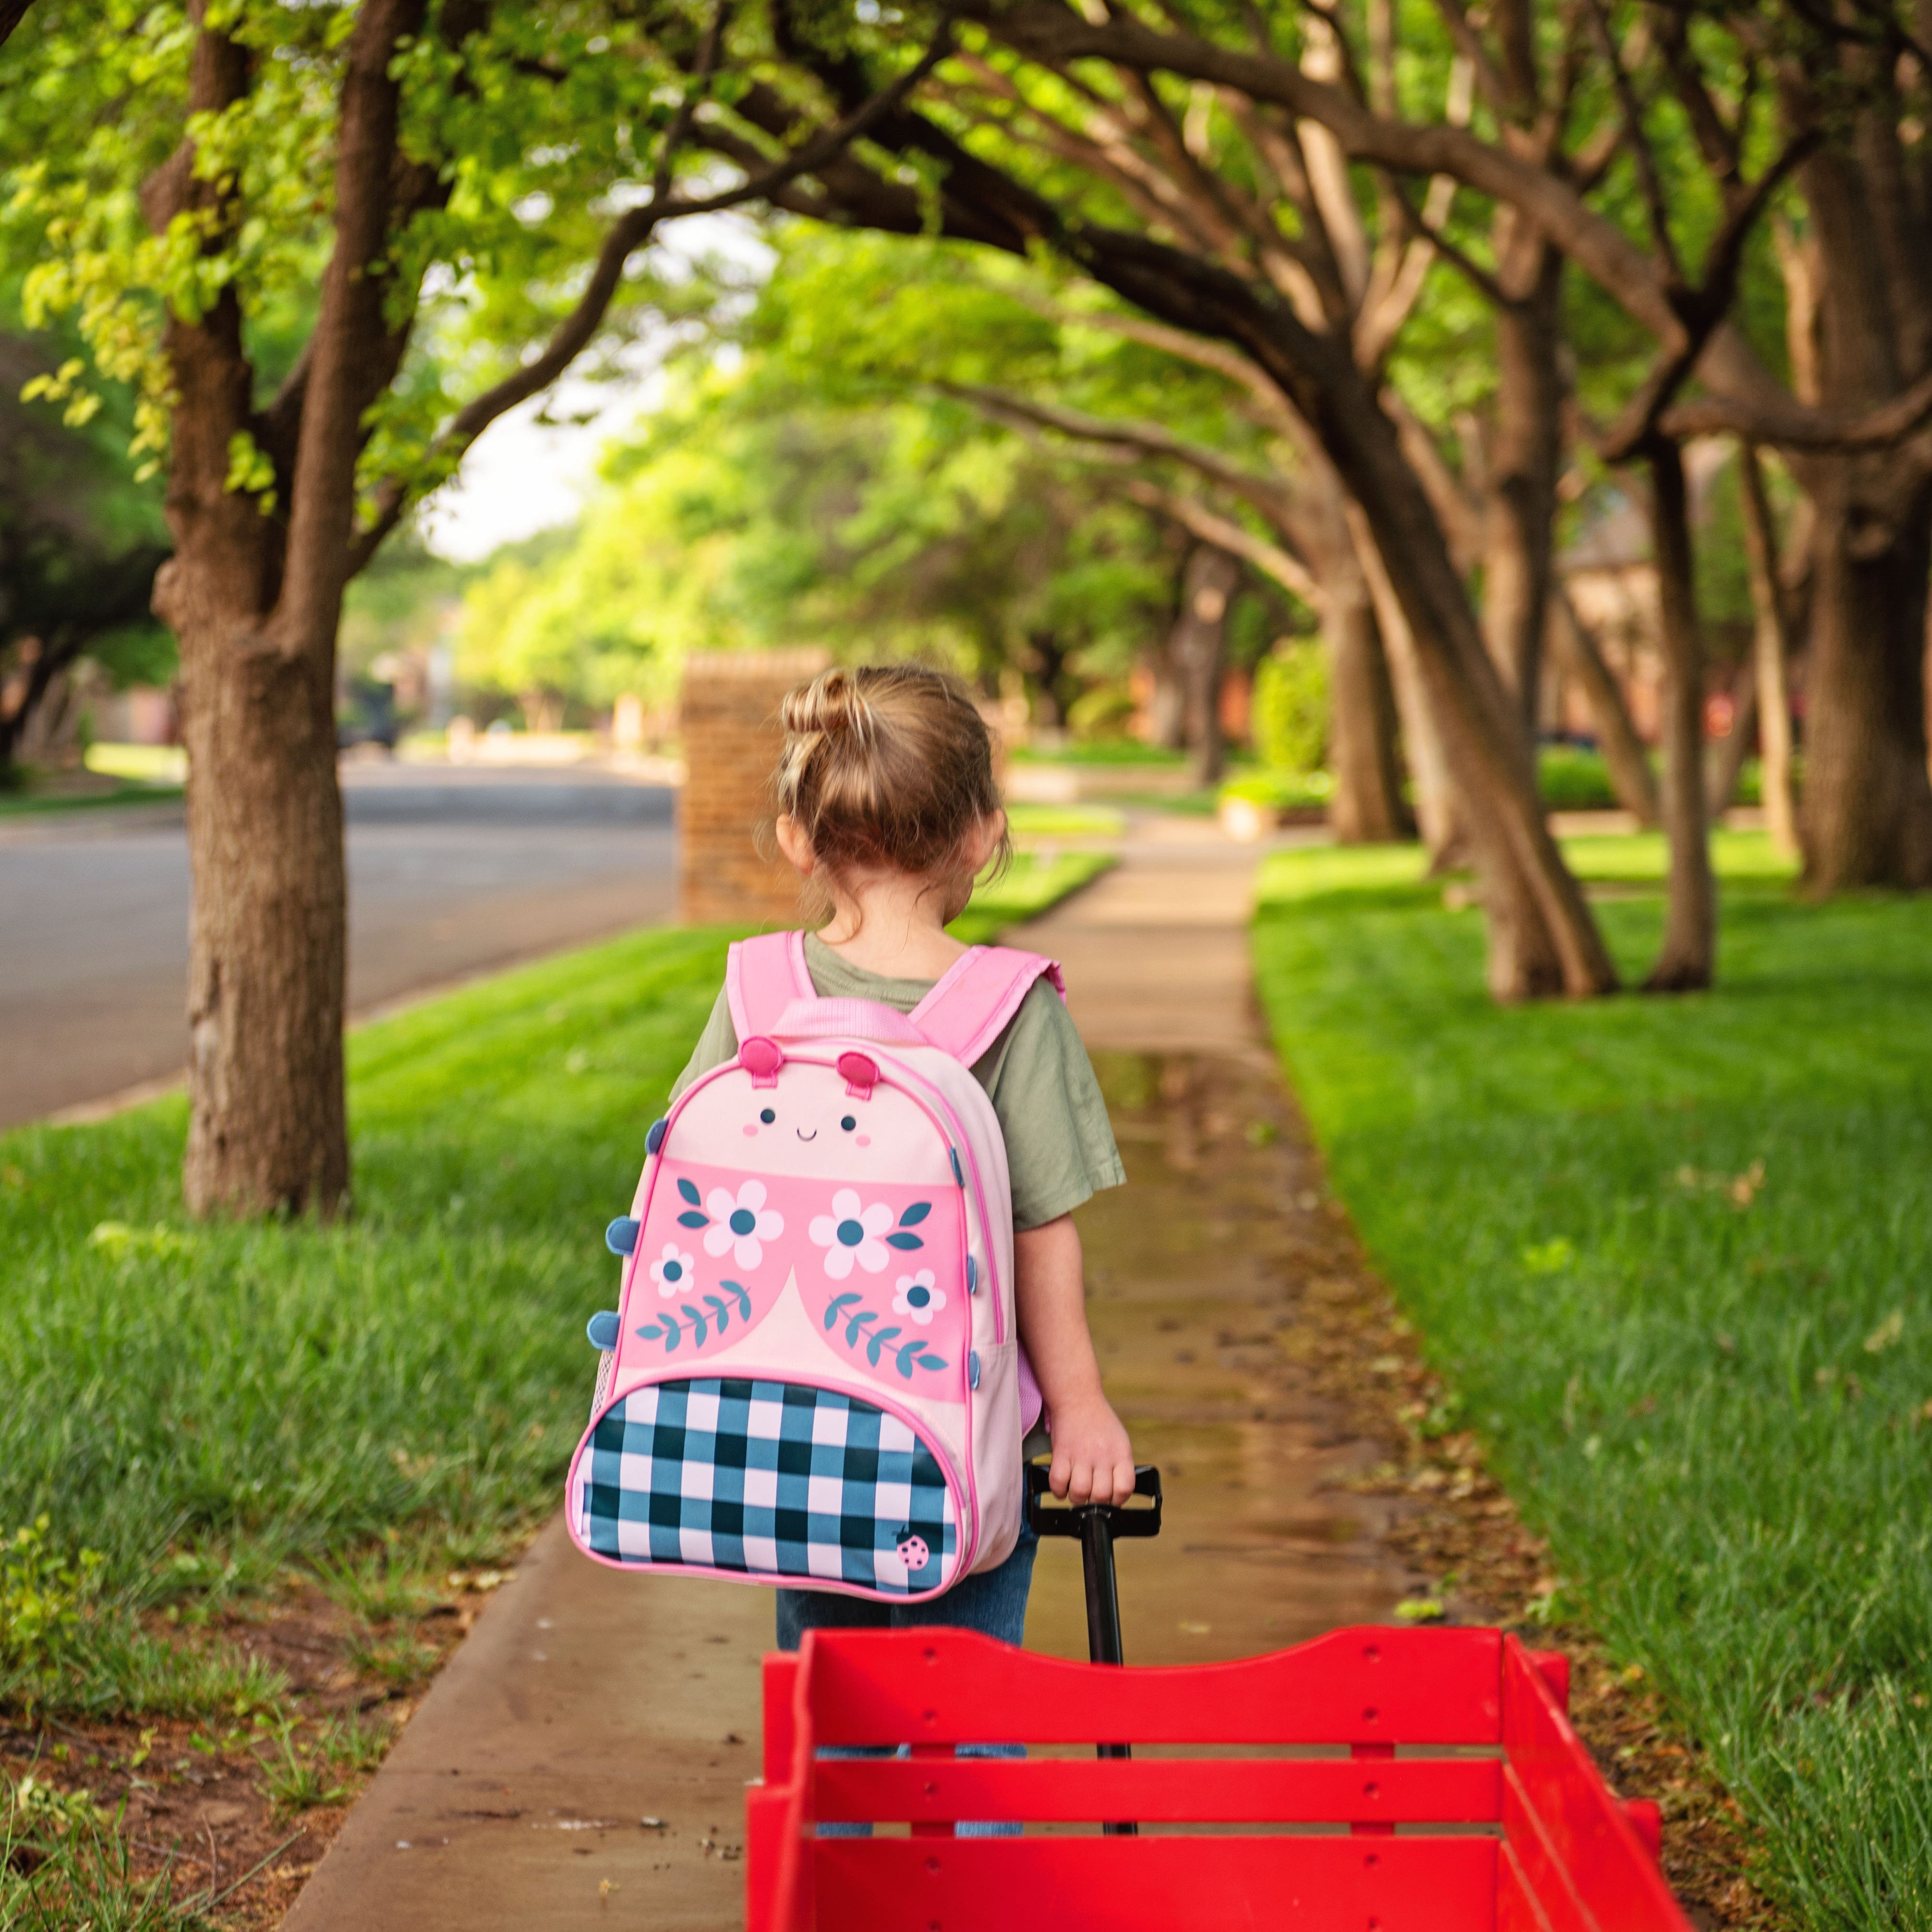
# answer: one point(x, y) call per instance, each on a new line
point(749, 1130)
point(861, 1140)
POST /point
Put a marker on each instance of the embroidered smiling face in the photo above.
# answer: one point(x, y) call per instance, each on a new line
point(808, 1123)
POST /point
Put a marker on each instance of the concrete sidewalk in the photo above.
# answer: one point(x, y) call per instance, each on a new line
point(582, 1761)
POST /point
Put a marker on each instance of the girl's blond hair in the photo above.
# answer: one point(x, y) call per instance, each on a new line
point(887, 767)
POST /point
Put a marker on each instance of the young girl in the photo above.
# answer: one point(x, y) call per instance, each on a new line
point(888, 811)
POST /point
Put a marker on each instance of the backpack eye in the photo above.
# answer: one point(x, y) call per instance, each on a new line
point(849, 1124)
point(766, 1116)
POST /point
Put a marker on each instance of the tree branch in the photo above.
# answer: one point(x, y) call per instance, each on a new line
point(627, 235)
point(1149, 439)
point(1791, 425)
point(1642, 157)
point(1226, 534)
point(11, 13)
point(1708, 308)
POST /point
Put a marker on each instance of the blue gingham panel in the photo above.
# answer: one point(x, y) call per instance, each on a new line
point(772, 1477)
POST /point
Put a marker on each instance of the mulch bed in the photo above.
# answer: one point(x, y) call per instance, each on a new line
point(1455, 1521)
point(196, 1795)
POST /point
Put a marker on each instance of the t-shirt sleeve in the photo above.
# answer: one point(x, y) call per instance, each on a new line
point(716, 1045)
point(1059, 1143)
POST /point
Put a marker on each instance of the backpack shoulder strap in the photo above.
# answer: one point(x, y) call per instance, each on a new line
point(965, 1011)
point(763, 975)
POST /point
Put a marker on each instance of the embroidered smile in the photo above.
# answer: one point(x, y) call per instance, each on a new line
point(803, 1135)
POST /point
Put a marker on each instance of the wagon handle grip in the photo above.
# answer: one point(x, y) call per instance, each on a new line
point(1097, 1524)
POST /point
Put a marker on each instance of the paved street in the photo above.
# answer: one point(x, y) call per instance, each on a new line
point(452, 870)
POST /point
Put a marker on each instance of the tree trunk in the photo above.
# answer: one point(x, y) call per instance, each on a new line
point(1770, 652)
point(1689, 956)
point(1367, 807)
point(1625, 754)
point(267, 927)
point(267, 933)
point(1525, 458)
point(256, 605)
point(1866, 816)
point(1542, 940)
point(1199, 649)
point(1437, 814)
point(1867, 811)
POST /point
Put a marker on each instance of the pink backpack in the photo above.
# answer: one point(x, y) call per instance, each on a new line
point(813, 1377)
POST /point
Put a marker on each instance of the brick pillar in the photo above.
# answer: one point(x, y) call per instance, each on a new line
point(732, 740)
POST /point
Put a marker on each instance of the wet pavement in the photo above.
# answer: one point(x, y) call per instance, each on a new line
point(1195, 1274)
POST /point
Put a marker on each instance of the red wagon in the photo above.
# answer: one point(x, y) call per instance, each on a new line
point(1392, 1781)
point(1453, 1795)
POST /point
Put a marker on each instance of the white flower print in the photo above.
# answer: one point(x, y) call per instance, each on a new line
point(919, 1298)
point(674, 1271)
point(850, 1233)
point(742, 1224)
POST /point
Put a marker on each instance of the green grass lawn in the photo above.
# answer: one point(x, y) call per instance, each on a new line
point(25, 804)
point(1035, 881)
point(1675, 1256)
point(1030, 821)
point(206, 1405)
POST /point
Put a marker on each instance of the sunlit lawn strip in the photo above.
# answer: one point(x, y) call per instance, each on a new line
point(1676, 1256)
point(1034, 882)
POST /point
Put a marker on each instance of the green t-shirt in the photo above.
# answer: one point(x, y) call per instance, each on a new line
point(1060, 1146)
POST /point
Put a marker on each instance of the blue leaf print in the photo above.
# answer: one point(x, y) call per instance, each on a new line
point(691, 1218)
point(744, 1299)
point(837, 1302)
point(904, 1240)
point(689, 1189)
point(909, 1354)
point(697, 1321)
point(877, 1342)
point(932, 1361)
point(914, 1214)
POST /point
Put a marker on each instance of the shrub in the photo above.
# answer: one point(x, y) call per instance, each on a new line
point(1290, 717)
point(1573, 779)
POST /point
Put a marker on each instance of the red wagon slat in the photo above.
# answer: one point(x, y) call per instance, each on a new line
point(1518, 1834)
point(1432, 1791)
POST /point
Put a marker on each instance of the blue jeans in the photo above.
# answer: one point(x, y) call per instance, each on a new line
point(993, 1602)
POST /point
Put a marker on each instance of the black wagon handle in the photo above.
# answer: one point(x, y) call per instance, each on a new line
point(1098, 1525)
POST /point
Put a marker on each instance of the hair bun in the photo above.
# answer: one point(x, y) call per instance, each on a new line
point(831, 705)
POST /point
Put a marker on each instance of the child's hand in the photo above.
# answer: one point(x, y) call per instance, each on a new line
point(1093, 1460)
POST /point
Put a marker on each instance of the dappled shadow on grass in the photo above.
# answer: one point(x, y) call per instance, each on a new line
point(1676, 1255)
